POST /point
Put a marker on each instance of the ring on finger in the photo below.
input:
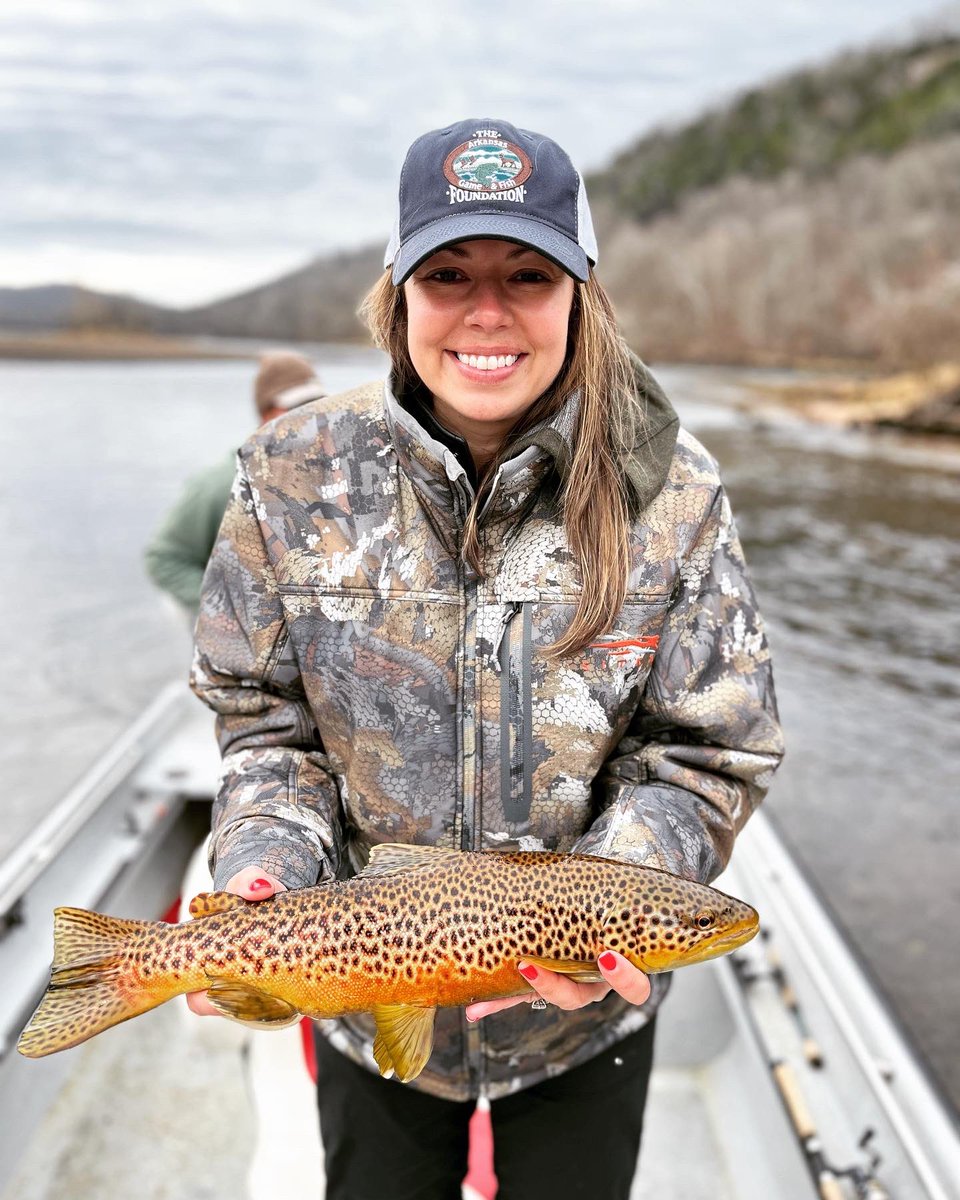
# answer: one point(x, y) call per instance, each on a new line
point(539, 1004)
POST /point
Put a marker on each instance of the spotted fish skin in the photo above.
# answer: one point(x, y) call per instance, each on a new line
point(421, 928)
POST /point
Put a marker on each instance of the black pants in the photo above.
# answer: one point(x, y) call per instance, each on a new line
point(575, 1135)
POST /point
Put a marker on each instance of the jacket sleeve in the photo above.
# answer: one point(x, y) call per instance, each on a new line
point(277, 805)
point(177, 553)
point(700, 751)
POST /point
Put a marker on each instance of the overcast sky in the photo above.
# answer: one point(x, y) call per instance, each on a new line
point(183, 150)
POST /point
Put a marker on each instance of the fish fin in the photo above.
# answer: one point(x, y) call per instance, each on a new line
point(579, 972)
point(90, 988)
point(249, 1006)
point(391, 858)
point(404, 1040)
point(208, 903)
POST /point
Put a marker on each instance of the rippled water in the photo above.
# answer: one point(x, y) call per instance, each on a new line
point(854, 544)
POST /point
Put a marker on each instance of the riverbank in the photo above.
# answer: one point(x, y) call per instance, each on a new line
point(925, 401)
point(93, 345)
point(919, 401)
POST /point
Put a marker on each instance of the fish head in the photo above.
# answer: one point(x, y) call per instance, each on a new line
point(672, 922)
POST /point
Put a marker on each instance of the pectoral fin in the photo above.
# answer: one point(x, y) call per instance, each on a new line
point(404, 1039)
point(245, 1004)
point(579, 972)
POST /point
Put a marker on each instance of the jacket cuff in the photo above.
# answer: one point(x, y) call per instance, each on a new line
point(274, 847)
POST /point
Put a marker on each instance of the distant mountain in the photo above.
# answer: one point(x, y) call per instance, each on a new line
point(317, 302)
point(816, 217)
point(66, 306)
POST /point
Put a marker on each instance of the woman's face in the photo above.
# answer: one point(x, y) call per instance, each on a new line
point(487, 332)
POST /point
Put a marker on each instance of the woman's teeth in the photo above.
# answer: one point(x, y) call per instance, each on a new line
point(488, 362)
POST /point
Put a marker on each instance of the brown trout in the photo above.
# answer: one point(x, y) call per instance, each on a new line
point(418, 929)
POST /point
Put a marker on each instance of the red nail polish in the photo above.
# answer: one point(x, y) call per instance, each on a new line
point(259, 884)
point(607, 960)
point(529, 973)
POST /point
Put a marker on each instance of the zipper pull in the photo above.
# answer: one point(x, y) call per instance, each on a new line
point(509, 613)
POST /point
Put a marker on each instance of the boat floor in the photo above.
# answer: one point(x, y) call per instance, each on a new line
point(160, 1108)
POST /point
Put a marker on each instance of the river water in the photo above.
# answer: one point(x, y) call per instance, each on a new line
point(854, 544)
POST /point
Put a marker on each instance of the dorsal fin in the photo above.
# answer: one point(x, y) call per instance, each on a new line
point(392, 858)
point(208, 903)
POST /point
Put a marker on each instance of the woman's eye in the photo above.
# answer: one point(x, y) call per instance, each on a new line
point(531, 276)
point(444, 275)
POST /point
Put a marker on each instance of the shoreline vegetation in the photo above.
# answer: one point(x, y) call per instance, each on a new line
point(832, 392)
point(926, 400)
point(110, 345)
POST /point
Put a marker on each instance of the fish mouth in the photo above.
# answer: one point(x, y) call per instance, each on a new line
point(721, 943)
point(731, 939)
point(739, 935)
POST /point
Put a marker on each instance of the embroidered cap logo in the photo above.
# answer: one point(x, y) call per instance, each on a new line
point(487, 167)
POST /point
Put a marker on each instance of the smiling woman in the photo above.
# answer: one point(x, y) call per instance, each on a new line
point(487, 325)
point(496, 603)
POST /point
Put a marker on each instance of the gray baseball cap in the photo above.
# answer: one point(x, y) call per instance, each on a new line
point(485, 178)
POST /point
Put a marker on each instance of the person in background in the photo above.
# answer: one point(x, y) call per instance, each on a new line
point(496, 602)
point(177, 554)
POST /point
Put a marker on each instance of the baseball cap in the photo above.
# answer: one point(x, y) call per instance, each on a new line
point(485, 178)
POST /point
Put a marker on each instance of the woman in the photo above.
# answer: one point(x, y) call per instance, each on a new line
point(499, 602)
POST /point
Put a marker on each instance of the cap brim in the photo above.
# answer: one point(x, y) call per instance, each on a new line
point(461, 227)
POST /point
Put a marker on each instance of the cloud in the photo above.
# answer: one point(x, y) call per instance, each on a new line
point(220, 126)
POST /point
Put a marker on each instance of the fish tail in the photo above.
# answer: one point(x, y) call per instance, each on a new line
point(91, 984)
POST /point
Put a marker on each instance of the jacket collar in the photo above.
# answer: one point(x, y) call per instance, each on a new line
point(433, 458)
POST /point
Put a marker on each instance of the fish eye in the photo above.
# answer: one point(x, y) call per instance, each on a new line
point(705, 919)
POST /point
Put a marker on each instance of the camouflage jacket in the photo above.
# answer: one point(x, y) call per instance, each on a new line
point(370, 687)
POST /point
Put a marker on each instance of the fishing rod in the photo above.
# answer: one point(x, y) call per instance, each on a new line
point(826, 1176)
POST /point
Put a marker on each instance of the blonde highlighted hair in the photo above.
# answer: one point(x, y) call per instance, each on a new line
point(595, 496)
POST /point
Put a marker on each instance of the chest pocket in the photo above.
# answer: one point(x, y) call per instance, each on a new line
point(379, 665)
point(562, 719)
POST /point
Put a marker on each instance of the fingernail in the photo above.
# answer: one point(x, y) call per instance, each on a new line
point(259, 884)
point(529, 973)
point(607, 960)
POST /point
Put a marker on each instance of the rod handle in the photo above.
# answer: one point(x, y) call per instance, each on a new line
point(830, 1188)
point(793, 1098)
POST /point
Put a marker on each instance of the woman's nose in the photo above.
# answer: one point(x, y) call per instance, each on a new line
point(488, 307)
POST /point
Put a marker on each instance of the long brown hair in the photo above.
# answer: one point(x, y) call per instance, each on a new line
point(595, 498)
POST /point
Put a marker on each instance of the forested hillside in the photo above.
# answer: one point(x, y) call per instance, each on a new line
point(873, 102)
point(816, 217)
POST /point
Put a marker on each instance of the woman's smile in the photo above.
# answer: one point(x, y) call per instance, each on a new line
point(488, 366)
point(487, 362)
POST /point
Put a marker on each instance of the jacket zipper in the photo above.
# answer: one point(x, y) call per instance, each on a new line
point(516, 735)
point(467, 679)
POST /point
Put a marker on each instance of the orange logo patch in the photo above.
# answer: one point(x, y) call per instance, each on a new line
point(626, 651)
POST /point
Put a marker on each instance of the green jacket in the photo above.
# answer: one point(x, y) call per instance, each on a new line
point(177, 555)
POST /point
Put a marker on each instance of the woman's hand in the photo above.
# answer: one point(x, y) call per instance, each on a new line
point(621, 977)
point(252, 884)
